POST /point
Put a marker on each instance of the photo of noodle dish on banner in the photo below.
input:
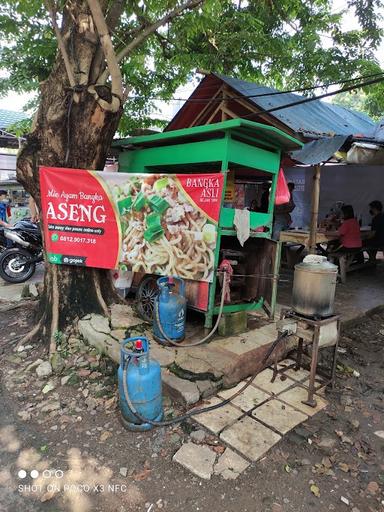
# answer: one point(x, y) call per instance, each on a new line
point(169, 223)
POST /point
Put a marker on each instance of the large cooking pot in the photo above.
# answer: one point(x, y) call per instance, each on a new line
point(314, 287)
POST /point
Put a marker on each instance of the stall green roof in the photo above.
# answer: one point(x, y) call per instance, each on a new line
point(256, 134)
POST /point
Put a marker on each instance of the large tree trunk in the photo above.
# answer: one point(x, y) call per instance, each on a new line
point(70, 130)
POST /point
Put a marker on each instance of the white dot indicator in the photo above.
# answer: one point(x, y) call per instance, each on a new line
point(22, 473)
point(34, 473)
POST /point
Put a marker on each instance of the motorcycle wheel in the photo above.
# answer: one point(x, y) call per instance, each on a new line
point(145, 297)
point(14, 266)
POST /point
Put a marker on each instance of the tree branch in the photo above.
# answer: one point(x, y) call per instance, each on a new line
point(149, 30)
point(60, 43)
point(114, 13)
point(110, 56)
point(165, 44)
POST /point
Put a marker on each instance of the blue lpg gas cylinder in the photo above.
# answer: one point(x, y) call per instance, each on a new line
point(170, 309)
point(143, 378)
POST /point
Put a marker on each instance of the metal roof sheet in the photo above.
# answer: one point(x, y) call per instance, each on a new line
point(313, 119)
point(9, 117)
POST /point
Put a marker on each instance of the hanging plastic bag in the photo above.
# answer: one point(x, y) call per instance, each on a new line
point(283, 195)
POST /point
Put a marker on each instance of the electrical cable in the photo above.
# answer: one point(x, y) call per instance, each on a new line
point(68, 121)
point(314, 98)
point(194, 412)
point(305, 100)
point(261, 95)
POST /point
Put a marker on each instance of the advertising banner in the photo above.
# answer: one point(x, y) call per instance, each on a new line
point(162, 224)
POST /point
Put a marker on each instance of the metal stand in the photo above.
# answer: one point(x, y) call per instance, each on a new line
point(317, 334)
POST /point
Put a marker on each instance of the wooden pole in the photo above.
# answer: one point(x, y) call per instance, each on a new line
point(224, 116)
point(315, 209)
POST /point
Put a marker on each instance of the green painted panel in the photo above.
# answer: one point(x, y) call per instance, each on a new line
point(272, 194)
point(255, 234)
point(178, 154)
point(257, 219)
point(255, 131)
point(226, 217)
point(246, 306)
point(250, 156)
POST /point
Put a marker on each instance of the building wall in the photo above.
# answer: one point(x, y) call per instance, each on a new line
point(7, 167)
point(352, 184)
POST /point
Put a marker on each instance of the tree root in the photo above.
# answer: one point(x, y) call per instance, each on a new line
point(30, 336)
point(99, 294)
point(55, 311)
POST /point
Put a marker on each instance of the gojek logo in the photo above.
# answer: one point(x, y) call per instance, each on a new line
point(54, 258)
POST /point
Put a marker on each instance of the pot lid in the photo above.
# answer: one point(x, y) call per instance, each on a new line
point(316, 263)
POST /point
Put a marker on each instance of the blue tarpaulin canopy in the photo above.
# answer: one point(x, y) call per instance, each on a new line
point(319, 150)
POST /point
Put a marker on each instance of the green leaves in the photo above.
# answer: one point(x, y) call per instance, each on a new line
point(28, 46)
point(282, 43)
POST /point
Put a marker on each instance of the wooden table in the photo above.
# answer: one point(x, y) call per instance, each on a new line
point(301, 236)
point(300, 239)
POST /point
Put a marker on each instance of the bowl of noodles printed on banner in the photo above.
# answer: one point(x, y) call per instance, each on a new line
point(163, 232)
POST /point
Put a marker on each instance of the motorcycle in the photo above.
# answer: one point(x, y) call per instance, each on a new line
point(18, 263)
point(3, 240)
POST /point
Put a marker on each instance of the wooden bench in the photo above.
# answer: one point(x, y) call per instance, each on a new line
point(347, 263)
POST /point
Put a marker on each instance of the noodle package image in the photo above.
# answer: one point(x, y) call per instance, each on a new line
point(151, 223)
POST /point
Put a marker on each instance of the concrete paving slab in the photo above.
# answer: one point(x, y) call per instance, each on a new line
point(282, 417)
point(205, 359)
point(230, 465)
point(248, 399)
point(263, 381)
point(181, 390)
point(296, 395)
point(250, 438)
point(11, 292)
point(196, 458)
point(318, 382)
point(207, 388)
point(269, 331)
point(243, 343)
point(123, 317)
point(251, 362)
point(218, 419)
point(163, 355)
point(298, 376)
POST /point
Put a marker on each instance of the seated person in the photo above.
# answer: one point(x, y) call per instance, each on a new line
point(348, 232)
point(376, 239)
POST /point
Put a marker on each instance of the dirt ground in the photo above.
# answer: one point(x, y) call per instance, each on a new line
point(71, 436)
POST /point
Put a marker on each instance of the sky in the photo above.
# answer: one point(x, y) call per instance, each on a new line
point(16, 101)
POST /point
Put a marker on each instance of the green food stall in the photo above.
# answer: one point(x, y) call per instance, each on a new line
point(246, 155)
